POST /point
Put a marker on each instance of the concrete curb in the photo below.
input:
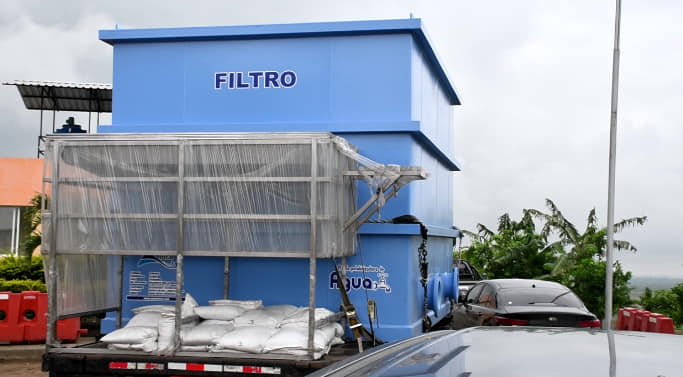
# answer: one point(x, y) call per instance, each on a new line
point(21, 352)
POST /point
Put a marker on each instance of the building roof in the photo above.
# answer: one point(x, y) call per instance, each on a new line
point(411, 26)
point(20, 180)
point(64, 96)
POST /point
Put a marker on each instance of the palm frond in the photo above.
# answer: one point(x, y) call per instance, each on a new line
point(592, 218)
point(562, 262)
point(624, 245)
point(504, 222)
point(483, 231)
point(557, 245)
point(546, 229)
point(468, 233)
point(633, 221)
point(553, 208)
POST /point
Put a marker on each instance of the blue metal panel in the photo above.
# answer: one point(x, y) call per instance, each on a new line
point(406, 26)
point(430, 200)
point(360, 78)
point(431, 107)
point(150, 280)
point(385, 270)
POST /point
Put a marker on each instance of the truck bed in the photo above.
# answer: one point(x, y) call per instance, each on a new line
point(95, 359)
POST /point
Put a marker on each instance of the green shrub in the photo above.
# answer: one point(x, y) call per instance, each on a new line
point(665, 301)
point(19, 268)
point(17, 286)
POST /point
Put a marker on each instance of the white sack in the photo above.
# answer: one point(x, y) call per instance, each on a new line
point(186, 310)
point(246, 304)
point(336, 340)
point(204, 334)
point(259, 317)
point(154, 308)
point(221, 312)
point(284, 310)
point(248, 339)
point(166, 340)
point(148, 346)
point(296, 338)
point(145, 319)
point(201, 348)
point(132, 335)
point(322, 317)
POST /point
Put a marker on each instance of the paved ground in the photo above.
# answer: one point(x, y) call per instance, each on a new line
point(21, 368)
point(23, 360)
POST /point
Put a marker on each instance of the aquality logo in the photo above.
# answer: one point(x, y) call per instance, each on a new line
point(166, 261)
point(364, 281)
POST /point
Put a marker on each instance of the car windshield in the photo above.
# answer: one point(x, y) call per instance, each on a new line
point(538, 296)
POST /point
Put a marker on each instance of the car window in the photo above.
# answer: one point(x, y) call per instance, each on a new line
point(487, 297)
point(473, 294)
point(539, 296)
point(568, 299)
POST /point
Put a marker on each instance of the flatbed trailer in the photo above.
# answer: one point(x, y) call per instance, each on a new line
point(85, 272)
point(95, 360)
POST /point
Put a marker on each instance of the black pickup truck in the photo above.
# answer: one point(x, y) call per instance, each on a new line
point(468, 275)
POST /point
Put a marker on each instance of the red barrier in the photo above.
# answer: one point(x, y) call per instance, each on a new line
point(10, 332)
point(631, 323)
point(641, 317)
point(629, 318)
point(621, 322)
point(69, 330)
point(642, 320)
point(664, 325)
point(652, 322)
point(33, 316)
point(23, 318)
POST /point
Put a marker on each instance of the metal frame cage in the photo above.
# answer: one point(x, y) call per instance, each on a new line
point(281, 195)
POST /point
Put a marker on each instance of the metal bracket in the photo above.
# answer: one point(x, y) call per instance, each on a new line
point(401, 177)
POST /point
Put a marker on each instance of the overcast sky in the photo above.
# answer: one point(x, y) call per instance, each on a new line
point(533, 76)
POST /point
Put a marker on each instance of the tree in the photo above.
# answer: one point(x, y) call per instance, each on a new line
point(582, 266)
point(32, 219)
point(587, 279)
point(575, 259)
point(589, 244)
point(516, 250)
point(665, 301)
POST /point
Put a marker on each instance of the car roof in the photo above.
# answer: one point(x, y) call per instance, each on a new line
point(524, 283)
point(519, 351)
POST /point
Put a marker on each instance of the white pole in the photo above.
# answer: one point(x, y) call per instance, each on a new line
point(612, 157)
point(14, 230)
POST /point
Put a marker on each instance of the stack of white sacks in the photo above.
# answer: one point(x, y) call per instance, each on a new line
point(227, 326)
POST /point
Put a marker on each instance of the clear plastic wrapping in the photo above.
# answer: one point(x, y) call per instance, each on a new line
point(86, 283)
point(237, 194)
